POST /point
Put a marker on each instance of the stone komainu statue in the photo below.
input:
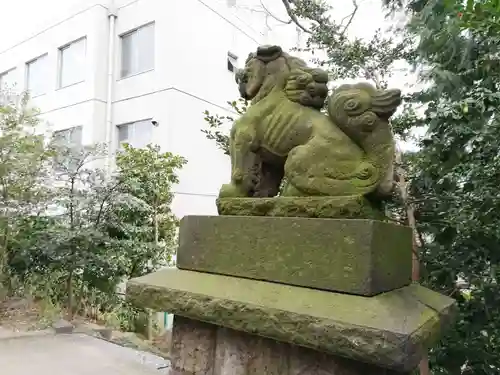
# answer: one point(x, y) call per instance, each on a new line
point(284, 134)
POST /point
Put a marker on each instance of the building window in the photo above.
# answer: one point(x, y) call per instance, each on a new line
point(72, 63)
point(71, 137)
point(232, 62)
point(8, 79)
point(68, 143)
point(138, 134)
point(36, 76)
point(7, 97)
point(138, 51)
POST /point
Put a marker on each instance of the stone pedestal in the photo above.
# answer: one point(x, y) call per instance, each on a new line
point(199, 348)
point(270, 295)
point(364, 257)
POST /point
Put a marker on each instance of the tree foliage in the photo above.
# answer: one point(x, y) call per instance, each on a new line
point(454, 177)
point(66, 222)
point(345, 56)
point(216, 124)
point(146, 177)
point(24, 165)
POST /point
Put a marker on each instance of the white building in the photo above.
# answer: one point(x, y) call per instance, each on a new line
point(108, 71)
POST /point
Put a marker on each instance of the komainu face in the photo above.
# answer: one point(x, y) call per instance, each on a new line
point(252, 77)
point(270, 68)
point(358, 109)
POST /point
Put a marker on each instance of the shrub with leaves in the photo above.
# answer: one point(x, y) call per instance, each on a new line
point(24, 170)
point(454, 176)
point(63, 221)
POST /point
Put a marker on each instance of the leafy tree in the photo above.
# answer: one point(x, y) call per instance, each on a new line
point(74, 241)
point(99, 231)
point(454, 178)
point(146, 177)
point(68, 232)
point(24, 165)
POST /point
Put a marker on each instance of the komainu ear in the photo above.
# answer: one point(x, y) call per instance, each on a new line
point(268, 53)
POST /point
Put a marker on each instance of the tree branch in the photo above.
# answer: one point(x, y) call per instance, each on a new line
point(410, 214)
point(111, 190)
point(333, 28)
point(272, 15)
point(351, 17)
point(293, 17)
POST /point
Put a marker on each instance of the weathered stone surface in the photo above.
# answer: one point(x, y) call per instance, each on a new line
point(363, 257)
point(238, 353)
point(241, 353)
point(314, 207)
point(193, 347)
point(389, 330)
point(348, 151)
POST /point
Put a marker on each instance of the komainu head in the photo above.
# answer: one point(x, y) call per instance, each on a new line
point(269, 69)
point(358, 109)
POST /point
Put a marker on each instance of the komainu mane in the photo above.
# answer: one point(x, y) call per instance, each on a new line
point(284, 135)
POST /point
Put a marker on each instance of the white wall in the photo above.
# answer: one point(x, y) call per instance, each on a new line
point(78, 104)
point(192, 40)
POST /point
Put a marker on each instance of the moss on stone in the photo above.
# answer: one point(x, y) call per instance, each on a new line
point(348, 151)
point(353, 256)
point(312, 207)
point(389, 330)
point(390, 257)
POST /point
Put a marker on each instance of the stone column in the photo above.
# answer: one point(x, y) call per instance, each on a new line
point(201, 348)
point(294, 296)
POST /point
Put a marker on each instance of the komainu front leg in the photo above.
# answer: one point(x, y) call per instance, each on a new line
point(246, 189)
point(244, 163)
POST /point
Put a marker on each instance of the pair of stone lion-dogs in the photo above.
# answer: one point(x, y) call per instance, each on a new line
point(348, 151)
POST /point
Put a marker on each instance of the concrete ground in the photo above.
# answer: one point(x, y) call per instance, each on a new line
point(76, 354)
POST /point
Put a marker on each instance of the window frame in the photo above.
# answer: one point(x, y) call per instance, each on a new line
point(59, 165)
point(134, 124)
point(60, 64)
point(232, 60)
point(68, 130)
point(27, 74)
point(134, 52)
point(5, 73)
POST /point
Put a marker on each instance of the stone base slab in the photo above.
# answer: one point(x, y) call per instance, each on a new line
point(391, 330)
point(356, 256)
point(223, 351)
point(313, 207)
